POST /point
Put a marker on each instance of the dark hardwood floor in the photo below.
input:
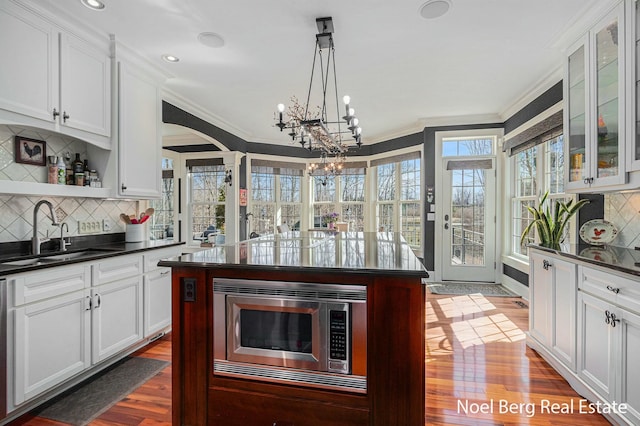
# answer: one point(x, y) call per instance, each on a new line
point(476, 354)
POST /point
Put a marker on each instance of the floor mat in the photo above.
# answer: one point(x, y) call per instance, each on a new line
point(470, 288)
point(83, 403)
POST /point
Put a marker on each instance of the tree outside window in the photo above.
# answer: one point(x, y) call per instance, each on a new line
point(207, 200)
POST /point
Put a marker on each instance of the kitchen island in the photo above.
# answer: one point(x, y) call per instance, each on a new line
point(382, 378)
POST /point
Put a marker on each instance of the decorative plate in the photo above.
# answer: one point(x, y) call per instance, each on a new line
point(601, 254)
point(598, 232)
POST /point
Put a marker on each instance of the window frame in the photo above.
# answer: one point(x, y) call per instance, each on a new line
point(397, 202)
point(542, 179)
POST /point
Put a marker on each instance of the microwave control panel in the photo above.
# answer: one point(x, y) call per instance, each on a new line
point(338, 341)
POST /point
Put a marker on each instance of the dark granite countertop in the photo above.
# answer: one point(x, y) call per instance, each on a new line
point(350, 252)
point(98, 251)
point(616, 258)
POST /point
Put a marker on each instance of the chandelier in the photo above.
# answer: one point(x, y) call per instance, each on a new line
point(312, 128)
point(326, 168)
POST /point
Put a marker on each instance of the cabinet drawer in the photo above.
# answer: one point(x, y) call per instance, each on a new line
point(46, 283)
point(152, 257)
point(623, 291)
point(117, 268)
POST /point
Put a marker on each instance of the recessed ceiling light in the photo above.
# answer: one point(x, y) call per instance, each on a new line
point(93, 4)
point(434, 8)
point(170, 58)
point(211, 39)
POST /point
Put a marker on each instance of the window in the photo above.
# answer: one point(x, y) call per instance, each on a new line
point(398, 208)
point(162, 220)
point(207, 194)
point(276, 197)
point(537, 169)
point(343, 194)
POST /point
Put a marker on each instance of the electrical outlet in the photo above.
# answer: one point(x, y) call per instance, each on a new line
point(106, 225)
point(89, 227)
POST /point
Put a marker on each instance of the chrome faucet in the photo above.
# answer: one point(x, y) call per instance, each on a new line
point(63, 243)
point(36, 241)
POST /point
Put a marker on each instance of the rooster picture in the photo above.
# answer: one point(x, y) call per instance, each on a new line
point(30, 151)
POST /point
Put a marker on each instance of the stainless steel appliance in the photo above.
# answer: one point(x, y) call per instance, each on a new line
point(3, 352)
point(303, 333)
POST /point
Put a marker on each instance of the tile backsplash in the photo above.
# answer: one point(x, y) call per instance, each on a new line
point(16, 215)
point(623, 210)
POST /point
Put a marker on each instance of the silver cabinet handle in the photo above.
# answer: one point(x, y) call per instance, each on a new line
point(164, 273)
point(613, 289)
point(546, 264)
point(98, 303)
point(55, 113)
point(65, 116)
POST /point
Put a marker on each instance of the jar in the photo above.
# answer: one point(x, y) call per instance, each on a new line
point(79, 179)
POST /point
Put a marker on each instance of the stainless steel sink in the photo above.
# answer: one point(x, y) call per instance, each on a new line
point(59, 257)
point(25, 262)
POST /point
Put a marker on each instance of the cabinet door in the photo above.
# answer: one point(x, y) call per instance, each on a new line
point(540, 289)
point(629, 365)
point(597, 339)
point(576, 115)
point(29, 75)
point(52, 343)
point(85, 86)
point(139, 166)
point(634, 110)
point(117, 317)
point(595, 119)
point(157, 301)
point(608, 70)
point(563, 311)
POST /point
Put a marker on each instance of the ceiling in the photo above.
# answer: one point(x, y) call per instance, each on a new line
point(403, 72)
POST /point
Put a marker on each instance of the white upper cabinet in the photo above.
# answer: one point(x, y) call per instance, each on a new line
point(139, 141)
point(85, 86)
point(595, 106)
point(55, 80)
point(28, 80)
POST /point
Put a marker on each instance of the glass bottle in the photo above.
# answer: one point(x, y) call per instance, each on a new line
point(62, 171)
point(87, 172)
point(77, 165)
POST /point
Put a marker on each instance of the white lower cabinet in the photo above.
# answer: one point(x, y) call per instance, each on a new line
point(596, 365)
point(52, 343)
point(157, 291)
point(552, 311)
point(602, 330)
point(116, 317)
point(157, 301)
point(629, 389)
point(63, 321)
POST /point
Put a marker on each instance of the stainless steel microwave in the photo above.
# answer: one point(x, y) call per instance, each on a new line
point(307, 334)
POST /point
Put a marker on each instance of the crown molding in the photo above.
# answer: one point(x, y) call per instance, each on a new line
point(536, 90)
point(461, 120)
point(192, 108)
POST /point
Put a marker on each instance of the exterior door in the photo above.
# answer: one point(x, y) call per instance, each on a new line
point(469, 220)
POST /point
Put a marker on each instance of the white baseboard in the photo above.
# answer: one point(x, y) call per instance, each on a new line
point(516, 287)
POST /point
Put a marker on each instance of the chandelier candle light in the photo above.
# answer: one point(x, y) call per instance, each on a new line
point(312, 129)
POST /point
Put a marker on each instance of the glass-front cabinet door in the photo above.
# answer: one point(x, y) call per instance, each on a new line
point(595, 95)
point(608, 81)
point(635, 144)
point(576, 114)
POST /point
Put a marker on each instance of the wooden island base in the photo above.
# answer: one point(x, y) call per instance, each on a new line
point(395, 346)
